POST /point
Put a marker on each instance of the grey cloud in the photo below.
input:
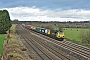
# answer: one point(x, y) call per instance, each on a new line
point(38, 14)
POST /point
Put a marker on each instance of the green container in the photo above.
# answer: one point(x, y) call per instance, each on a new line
point(38, 29)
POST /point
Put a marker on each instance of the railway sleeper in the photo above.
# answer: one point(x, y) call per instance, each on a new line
point(71, 53)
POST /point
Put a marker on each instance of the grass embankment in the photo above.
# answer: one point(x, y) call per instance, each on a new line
point(2, 38)
point(12, 48)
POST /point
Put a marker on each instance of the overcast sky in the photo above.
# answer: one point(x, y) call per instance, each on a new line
point(47, 10)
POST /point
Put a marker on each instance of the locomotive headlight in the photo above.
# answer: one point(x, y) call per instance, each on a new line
point(58, 36)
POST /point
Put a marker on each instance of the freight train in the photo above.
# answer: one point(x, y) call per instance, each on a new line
point(56, 34)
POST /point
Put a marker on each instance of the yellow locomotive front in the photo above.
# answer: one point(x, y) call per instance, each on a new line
point(60, 35)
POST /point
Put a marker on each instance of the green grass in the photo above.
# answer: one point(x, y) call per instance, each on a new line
point(2, 38)
point(74, 33)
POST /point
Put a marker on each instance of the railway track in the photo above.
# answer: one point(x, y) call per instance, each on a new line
point(40, 54)
point(42, 48)
point(85, 49)
point(53, 50)
point(80, 51)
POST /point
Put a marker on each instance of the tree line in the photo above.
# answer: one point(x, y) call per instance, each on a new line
point(5, 22)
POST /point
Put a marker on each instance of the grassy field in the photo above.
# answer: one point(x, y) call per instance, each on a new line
point(2, 38)
point(74, 33)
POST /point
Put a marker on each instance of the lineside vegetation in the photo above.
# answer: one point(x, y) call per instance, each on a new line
point(2, 38)
point(5, 22)
point(14, 49)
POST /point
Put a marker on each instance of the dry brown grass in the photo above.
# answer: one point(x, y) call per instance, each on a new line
point(12, 48)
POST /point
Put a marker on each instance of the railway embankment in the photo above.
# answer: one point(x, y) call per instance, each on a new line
point(12, 49)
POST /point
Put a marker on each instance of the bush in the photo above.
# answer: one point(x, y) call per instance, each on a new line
point(85, 37)
point(5, 22)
